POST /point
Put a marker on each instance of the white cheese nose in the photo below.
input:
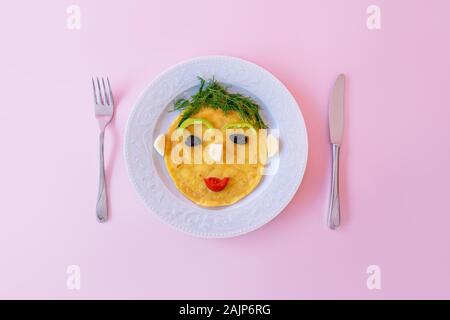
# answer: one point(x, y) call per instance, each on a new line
point(160, 143)
point(215, 151)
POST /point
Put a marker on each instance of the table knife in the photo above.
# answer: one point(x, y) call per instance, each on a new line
point(336, 123)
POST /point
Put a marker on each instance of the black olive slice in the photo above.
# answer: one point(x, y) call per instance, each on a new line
point(239, 138)
point(192, 141)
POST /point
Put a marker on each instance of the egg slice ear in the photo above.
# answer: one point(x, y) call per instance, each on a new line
point(272, 145)
point(160, 143)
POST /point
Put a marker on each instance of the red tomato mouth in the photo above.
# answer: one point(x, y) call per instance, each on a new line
point(216, 184)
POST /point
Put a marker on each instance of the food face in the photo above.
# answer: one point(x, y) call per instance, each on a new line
point(216, 149)
point(212, 183)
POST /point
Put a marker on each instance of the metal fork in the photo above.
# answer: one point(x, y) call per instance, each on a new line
point(104, 111)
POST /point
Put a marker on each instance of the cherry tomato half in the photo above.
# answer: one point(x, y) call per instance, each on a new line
point(216, 184)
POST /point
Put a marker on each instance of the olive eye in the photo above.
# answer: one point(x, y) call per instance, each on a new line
point(192, 141)
point(239, 138)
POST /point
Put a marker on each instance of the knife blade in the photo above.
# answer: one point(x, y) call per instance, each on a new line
point(336, 111)
point(336, 123)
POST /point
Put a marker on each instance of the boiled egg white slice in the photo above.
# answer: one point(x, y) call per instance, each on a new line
point(160, 143)
point(272, 145)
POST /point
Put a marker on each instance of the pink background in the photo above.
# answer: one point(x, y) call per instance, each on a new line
point(396, 154)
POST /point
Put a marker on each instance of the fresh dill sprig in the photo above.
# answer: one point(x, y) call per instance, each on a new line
point(213, 95)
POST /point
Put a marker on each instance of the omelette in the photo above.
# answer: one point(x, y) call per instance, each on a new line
point(215, 151)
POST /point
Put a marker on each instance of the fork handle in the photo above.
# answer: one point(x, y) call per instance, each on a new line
point(102, 200)
point(334, 213)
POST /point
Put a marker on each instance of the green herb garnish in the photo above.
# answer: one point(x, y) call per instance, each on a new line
point(213, 95)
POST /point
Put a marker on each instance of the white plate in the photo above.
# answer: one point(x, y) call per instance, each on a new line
point(147, 170)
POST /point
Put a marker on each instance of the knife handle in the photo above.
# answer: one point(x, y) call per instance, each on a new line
point(334, 213)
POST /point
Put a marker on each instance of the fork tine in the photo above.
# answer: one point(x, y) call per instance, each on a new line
point(105, 92)
point(95, 91)
point(101, 100)
point(110, 92)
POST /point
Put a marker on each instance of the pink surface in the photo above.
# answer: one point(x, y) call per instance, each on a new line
point(395, 157)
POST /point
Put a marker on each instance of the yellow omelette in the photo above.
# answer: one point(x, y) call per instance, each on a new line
point(216, 149)
point(190, 178)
